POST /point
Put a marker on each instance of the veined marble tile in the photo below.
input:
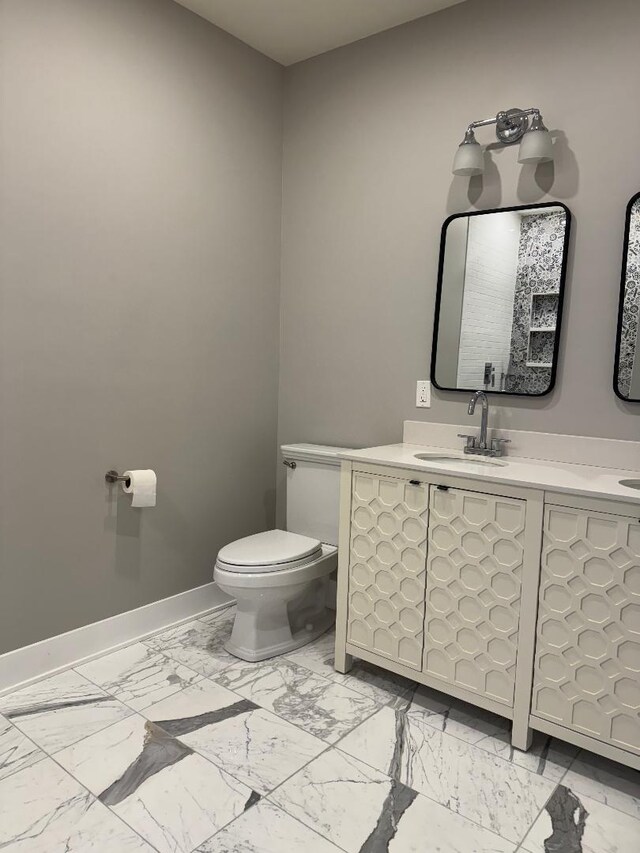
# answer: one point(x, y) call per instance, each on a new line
point(482, 787)
point(571, 823)
point(16, 750)
point(251, 744)
point(171, 796)
point(198, 645)
point(44, 810)
point(605, 781)
point(547, 756)
point(61, 710)
point(321, 708)
point(267, 829)
point(138, 676)
point(378, 684)
point(453, 716)
point(364, 811)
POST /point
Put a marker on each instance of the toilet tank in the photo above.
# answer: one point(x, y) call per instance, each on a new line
point(313, 490)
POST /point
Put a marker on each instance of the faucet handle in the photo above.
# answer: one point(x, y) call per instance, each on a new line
point(471, 439)
point(496, 445)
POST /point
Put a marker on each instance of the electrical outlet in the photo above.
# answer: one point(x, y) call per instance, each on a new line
point(423, 394)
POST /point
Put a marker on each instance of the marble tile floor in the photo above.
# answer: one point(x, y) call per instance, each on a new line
point(172, 745)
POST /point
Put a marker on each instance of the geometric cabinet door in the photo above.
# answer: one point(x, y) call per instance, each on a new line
point(587, 665)
point(387, 558)
point(474, 579)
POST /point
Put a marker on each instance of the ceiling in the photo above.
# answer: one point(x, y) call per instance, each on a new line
point(291, 30)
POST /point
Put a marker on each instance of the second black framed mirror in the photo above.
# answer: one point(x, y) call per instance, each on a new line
point(626, 374)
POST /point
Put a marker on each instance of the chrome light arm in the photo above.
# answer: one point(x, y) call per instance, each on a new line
point(511, 125)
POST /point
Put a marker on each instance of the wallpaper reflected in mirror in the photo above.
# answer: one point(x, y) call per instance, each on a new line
point(626, 380)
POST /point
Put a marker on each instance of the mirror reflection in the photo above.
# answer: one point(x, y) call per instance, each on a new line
point(627, 372)
point(499, 300)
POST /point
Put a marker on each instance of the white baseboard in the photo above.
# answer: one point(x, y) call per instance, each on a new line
point(30, 663)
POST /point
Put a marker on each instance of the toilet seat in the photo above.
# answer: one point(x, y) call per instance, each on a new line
point(271, 551)
point(285, 574)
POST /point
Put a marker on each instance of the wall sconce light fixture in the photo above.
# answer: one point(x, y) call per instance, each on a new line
point(511, 126)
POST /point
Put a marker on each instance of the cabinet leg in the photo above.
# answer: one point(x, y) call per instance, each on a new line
point(521, 736)
point(343, 662)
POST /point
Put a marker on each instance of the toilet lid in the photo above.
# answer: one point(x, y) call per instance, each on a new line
point(271, 548)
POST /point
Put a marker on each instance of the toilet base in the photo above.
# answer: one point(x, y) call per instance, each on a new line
point(295, 640)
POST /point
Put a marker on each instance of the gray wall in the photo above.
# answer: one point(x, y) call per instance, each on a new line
point(140, 175)
point(370, 134)
point(141, 169)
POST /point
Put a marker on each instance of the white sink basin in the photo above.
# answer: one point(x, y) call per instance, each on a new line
point(630, 484)
point(462, 459)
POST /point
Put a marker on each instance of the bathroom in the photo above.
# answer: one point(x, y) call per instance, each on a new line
point(229, 227)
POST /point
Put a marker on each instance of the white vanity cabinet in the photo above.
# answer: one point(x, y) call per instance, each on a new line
point(432, 582)
point(522, 601)
point(587, 665)
point(387, 554)
point(474, 582)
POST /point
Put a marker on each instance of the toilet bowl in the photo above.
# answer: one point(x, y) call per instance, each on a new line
point(281, 578)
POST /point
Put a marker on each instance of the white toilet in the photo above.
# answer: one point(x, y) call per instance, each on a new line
point(281, 578)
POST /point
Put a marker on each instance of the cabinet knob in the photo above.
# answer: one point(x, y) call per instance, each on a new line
point(414, 482)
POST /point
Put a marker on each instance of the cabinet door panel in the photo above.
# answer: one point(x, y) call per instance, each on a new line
point(474, 571)
point(387, 567)
point(587, 668)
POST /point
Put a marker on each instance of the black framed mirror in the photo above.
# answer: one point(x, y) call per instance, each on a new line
point(501, 278)
point(626, 373)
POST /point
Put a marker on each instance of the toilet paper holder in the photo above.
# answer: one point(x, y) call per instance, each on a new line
point(113, 477)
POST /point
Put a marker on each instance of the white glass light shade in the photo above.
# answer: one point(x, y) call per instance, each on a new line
point(469, 160)
point(536, 147)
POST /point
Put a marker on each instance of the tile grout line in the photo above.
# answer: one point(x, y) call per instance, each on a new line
point(431, 799)
point(537, 817)
point(559, 784)
point(213, 676)
point(12, 725)
point(442, 731)
point(328, 748)
point(8, 691)
point(51, 757)
point(473, 746)
point(311, 673)
point(335, 746)
point(266, 798)
point(151, 651)
point(84, 737)
point(140, 713)
point(271, 790)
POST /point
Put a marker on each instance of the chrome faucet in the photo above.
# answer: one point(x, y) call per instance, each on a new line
point(480, 445)
point(481, 441)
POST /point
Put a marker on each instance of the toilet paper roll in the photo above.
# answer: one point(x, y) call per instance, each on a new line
point(142, 485)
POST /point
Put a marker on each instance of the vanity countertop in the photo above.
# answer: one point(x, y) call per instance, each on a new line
point(571, 478)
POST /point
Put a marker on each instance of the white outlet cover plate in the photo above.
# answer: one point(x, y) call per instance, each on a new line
point(423, 394)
